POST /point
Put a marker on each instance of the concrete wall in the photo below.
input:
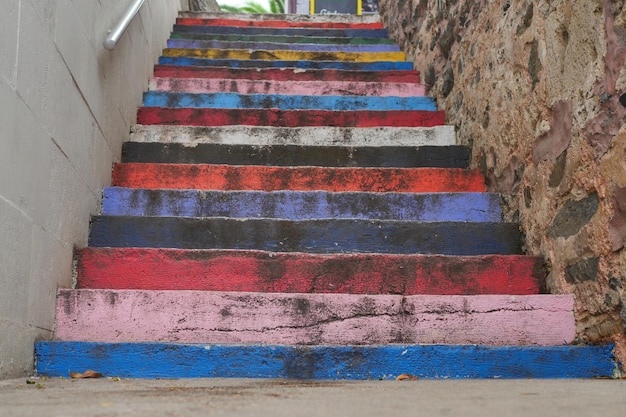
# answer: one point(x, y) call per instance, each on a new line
point(66, 106)
point(534, 87)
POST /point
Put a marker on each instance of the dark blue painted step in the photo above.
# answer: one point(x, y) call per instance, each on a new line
point(296, 155)
point(163, 360)
point(313, 236)
point(295, 205)
point(249, 63)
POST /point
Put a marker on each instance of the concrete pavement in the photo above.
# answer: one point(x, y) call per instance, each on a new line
point(244, 397)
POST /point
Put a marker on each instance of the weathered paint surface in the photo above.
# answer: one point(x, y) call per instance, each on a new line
point(303, 88)
point(282, 39)
point(270, 46)
point(310, 236)
point(304, 319)
point(257, 271)
point(331, 33)
point(272, 178)
point(453, 207)
point(276, 23)
point(163, 360)
point(298, 64)
point(285, 103)
point(298, 155)
point(344, 18)
point(289, 118)
point(286, 74)
point(281, 55)
point(299, 136)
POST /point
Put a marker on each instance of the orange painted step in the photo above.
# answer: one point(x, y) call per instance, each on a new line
point(269, 178)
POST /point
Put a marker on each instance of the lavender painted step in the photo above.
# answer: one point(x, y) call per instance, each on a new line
point(330, 33)
point(312, 236)
point(304, 88)
point(284, 102)
point(292, 205)
point(376, 137)
point(305, 319)
point(318, 47)
point(455, 156)
point(251, 63)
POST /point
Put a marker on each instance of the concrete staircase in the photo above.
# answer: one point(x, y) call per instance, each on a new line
point(291, 205)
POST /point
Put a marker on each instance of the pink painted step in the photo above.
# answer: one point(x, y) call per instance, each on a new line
point(305, 88)
point(339, 319)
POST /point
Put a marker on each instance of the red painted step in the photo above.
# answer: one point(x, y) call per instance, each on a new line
point(190, 21)
point(258, 271)
point(285, 74)
point(270, 178)
point(288, 118)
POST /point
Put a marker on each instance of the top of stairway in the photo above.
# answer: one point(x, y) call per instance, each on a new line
point(337, 18)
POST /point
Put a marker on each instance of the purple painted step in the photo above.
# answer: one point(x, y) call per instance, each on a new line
point(338, 319)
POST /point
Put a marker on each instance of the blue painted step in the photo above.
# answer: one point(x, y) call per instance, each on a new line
point(249, 63)
point(294, 205)
point(312, 236)
point(165, 360)
point(213, 44)
point(285, 102)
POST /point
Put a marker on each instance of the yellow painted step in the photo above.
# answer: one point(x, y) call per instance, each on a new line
point(285, 55)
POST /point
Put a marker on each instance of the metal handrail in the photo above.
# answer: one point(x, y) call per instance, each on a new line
point(114, 35)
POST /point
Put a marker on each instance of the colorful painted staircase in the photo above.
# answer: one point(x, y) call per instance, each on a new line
point(291, 205)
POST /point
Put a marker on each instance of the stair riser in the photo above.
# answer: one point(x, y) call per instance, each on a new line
point(286, 74)
point(281, 55)
point(146, 360)
point(277, 23)
point(283, 102)
point(293, 88)
point(304, 319)
point(254, 271)
point(261, 178)
point(343, 18)
point(292, 155)
point(327, 33)
point(289, 118)
point(192, 136)
point(270, 46)
point(312, 236)
point(282, 39)
point(461, 207)
point(321, 65)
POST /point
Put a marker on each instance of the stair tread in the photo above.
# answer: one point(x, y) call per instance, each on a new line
point(454, 156)
point(170, 360)
point(298, 64)
point(280, 46)
point(262, 271)
point(327, 136)
point(282, 87)
point(340, 319)
point(352, 33)
point(232, 21)
point(269, 178)
point(314, 236)
point(288, 17)
point(282, 38)
point(301, 205)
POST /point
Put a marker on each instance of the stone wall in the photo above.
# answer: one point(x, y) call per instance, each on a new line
point(536, 88)
point(66, 107)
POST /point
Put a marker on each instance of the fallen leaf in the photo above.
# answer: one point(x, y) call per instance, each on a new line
point(87, 374)
point(406, 377)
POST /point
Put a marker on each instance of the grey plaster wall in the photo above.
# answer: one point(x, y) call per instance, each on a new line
point(66, 106)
